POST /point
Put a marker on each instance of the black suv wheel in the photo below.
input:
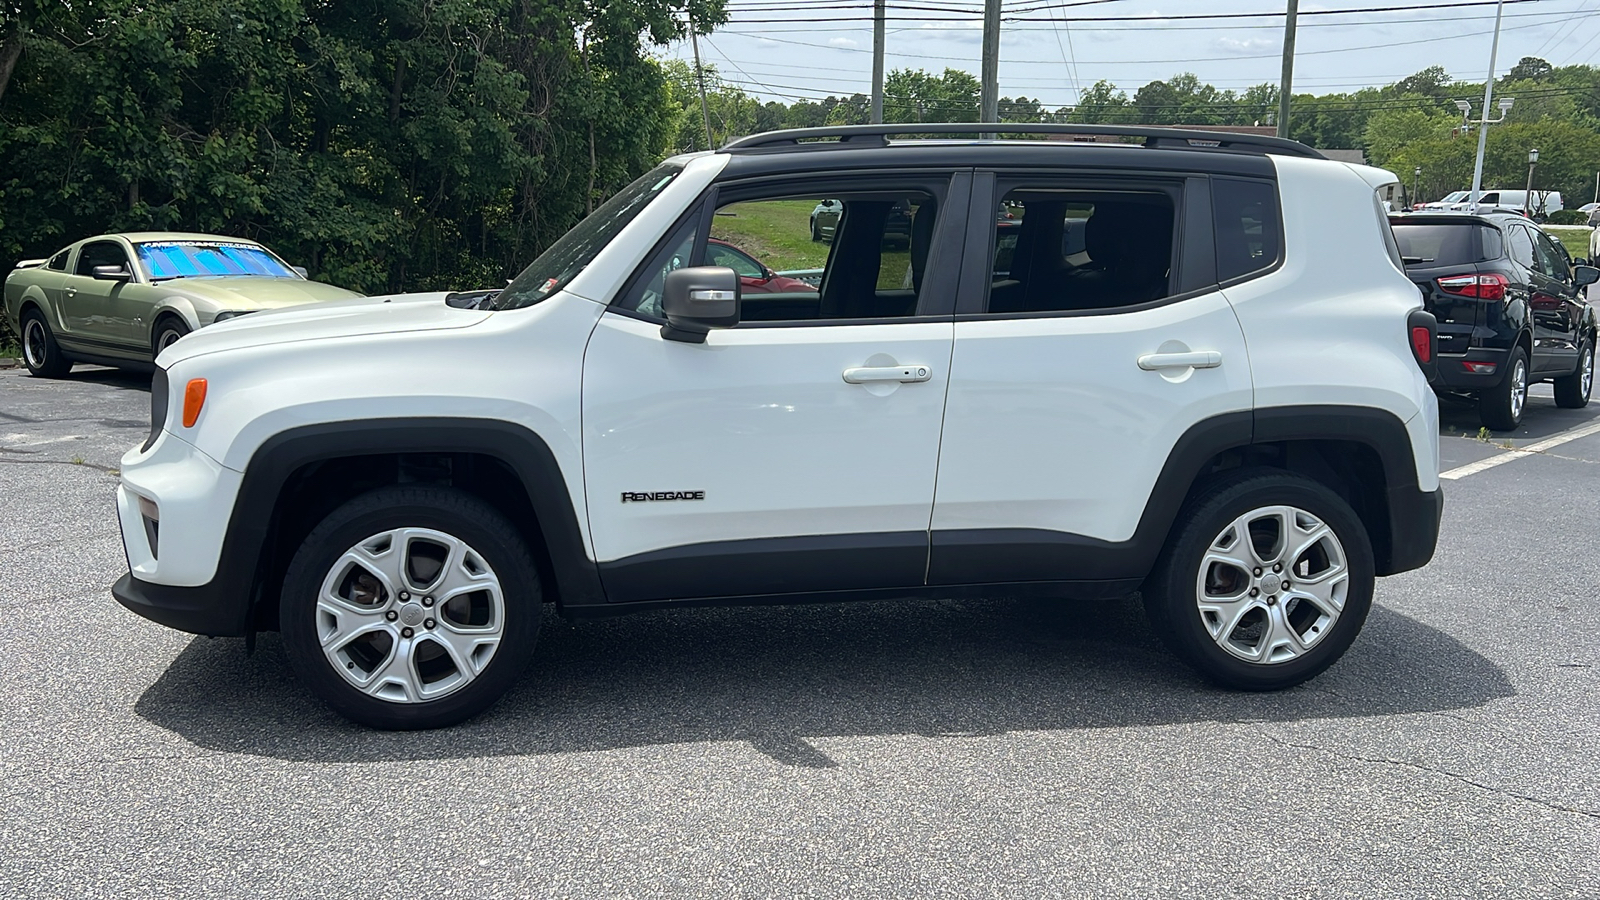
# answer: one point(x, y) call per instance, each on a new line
point(1572, 391)
point(1500, 407)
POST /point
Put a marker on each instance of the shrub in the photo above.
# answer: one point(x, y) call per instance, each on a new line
point(1569, 217)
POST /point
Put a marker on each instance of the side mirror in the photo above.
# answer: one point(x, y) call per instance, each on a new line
point(1583, 276)
point(698, 299)
point(301, 271)
point(111, 273)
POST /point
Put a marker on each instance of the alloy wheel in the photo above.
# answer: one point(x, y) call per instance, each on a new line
point(1586, 376)
point(167, 339)
point(410, 615)
point(1519, 389)
point(1272, 584)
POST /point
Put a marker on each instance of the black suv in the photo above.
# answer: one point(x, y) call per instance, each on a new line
point(1510, 307)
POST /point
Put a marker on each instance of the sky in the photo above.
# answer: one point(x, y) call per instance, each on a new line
point(766, 49)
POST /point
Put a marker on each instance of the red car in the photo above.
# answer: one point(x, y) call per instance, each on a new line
point(754, 278)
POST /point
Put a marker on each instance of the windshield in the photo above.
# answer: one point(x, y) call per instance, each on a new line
point(1455, 197)
point(577, 248)
point(206, 259)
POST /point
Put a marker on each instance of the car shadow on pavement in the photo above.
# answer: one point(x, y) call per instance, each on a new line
point(775, 677)
point(122, 378)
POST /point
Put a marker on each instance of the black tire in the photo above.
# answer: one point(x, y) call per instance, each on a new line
point(167, 331)
point(40, 352)
point(488, 535)
point(816, 236)
point(1572, 391)
point(1500, 407)
point(1172, 593)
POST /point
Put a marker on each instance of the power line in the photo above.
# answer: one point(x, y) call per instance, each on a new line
point(1440, 7)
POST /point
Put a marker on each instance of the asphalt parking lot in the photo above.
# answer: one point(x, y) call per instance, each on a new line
point(974, 749)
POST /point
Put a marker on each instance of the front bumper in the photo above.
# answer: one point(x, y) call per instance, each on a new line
point(206, 609)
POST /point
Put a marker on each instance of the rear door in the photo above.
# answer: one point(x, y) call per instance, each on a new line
point(1557, 307)
point(1079, 367)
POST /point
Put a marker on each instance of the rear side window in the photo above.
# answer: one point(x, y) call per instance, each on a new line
point(1521, 246)
point(1248, 228)
point(1441, 245)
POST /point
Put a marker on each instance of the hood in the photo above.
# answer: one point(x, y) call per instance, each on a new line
point(257, 291)
point(337, 319)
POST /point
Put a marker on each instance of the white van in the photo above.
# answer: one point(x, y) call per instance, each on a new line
point(1544, 202)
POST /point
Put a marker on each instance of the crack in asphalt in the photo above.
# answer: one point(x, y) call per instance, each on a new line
point(109, 470)
point(1457, 776)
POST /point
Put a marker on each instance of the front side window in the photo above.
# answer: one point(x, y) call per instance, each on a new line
point(573, 251)
point(1064, 250)
point(163, 260)
point(1554, 257)
point(1247, 226)
point(58, 262)
point(804, 257)
point(100, 253)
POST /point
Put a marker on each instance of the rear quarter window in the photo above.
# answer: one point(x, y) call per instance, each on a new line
point(1248, 227)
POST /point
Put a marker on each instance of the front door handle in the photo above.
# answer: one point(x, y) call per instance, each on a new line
point(1196, 359)
point(879, 374)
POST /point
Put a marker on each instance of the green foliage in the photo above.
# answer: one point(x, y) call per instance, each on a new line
point(385, 144)
point(1570, 217)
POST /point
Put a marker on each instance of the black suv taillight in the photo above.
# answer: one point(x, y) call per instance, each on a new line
point(1424, 332)
point(1483, 287)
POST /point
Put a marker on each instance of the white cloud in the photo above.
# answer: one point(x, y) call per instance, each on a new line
point(842, 42)
point(1250, 45)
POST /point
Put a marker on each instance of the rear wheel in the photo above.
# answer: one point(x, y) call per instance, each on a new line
point(1501, 406)
point(815, 234)
point(1267, 582)
point(40, 352)
point(411, 607)
point(1572, 391)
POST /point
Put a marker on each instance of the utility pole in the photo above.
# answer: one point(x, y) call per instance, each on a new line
point(877, 62)
point(1483, 130)
point(1286, 86)
point(989, 95)
point(700, 76)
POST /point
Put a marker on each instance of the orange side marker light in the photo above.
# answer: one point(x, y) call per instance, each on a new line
point(194, 397)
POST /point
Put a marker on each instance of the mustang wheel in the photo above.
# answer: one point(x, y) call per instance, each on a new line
point(411, 607)
point(168, 330)
point(1266, 584)
point(40, 352)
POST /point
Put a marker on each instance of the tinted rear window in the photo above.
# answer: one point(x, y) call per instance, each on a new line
point(1247, 226)
point(1441, 245)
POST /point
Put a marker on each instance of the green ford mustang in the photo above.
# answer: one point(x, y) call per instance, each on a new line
point(120, 299)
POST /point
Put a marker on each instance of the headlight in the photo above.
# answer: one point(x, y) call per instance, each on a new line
point(231, 314)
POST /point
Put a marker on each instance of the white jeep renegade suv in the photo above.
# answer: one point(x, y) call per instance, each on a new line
point(1191, 366)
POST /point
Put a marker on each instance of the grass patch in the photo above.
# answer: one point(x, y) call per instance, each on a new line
point(10, 351)
point(778, 233)
point(1577, 242)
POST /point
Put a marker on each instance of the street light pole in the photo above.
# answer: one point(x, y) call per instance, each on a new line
point(1483, 130)
point(1416, 188)
point(1527, 195)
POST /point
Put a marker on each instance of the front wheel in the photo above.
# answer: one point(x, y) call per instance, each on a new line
point(1572, 391)
point(1501, 406)
point(1267, 581)
point(816, 235)
point(40, 352)
point(168, 330)
point(411, 607)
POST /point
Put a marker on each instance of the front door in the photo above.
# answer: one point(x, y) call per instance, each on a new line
point(1087, 346)
point(99, 313)
point(1556, 308)
point(777, 457)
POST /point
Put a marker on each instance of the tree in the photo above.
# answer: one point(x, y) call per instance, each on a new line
point(1530, 68)
point(913, 95)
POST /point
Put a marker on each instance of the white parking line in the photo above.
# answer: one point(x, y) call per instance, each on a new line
point(1509, 455)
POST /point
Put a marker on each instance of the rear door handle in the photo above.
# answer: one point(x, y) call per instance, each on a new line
point(1196, 359)
point(878, 374)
